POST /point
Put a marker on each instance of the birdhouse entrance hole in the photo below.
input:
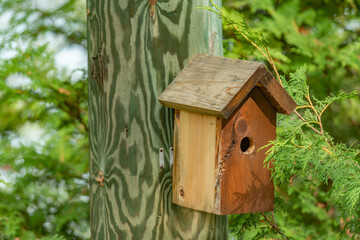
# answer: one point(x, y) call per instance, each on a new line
point(247, 145)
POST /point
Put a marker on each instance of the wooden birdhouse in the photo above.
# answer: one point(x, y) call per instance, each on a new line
point(225, 110)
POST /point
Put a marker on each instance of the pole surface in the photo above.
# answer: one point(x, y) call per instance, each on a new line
point(136, 48)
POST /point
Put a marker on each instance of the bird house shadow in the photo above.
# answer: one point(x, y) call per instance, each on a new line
point(254, 197)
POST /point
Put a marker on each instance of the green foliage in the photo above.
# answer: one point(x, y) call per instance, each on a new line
point(317, 177)
point(43, 184)
point(324, 35)
point(314, 158)
point(46, 190)
point(55, 237)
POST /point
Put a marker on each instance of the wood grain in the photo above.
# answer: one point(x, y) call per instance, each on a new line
point(135, 50)
point(212, 172)
point(209, 83)
point(194, 162)
point(245, 184)
point(217, 85)
point(275, 93)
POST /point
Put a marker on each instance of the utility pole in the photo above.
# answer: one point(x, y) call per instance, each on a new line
point(136, 48)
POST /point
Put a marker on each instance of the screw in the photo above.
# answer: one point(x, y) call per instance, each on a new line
point(161, 158)
point(171, 156)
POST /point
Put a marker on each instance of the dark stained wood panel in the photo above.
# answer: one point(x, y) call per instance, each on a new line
point(245, 184)
point(276, 94)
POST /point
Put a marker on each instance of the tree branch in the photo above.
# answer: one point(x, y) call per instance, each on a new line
point(297, 114)
point(273, 225)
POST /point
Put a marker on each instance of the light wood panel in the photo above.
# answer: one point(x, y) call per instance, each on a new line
point(135, 50)
point(194, 163)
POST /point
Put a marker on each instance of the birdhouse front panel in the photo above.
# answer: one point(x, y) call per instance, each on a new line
point(244, 185)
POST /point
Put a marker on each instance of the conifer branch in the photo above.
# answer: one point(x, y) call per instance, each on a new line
point(273, 225)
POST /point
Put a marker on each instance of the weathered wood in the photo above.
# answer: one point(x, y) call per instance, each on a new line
point(244, 184)
point(208, 83)
point(194, 163)
point(217, 85)
point(135, 49)
point(215, 169)
point(275, 93)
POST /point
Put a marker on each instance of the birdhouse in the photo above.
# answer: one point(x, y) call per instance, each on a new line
point(225, 111)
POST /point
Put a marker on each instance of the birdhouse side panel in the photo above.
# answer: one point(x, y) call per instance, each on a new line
point(246, 186)
point(194, 160)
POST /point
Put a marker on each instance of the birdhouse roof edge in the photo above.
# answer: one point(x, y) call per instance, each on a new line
point(217, 86)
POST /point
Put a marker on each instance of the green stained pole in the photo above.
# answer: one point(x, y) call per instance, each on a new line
point(136, 48)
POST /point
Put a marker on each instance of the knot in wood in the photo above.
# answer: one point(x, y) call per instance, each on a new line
point(152, 2)
point(152, 7)
point(182, 193)
point(100, 178)
point(99, 69)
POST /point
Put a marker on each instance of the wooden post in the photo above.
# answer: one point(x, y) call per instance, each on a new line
point(135, 49)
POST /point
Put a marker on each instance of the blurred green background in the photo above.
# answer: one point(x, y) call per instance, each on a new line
point(43, 120)
point(43, 108)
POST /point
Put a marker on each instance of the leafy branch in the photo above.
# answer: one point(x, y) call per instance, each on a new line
point(273, 224)
point(242, 29)
point(304, 149)
point(259, 42)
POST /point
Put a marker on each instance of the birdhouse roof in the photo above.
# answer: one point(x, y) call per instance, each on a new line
point(218, 85)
